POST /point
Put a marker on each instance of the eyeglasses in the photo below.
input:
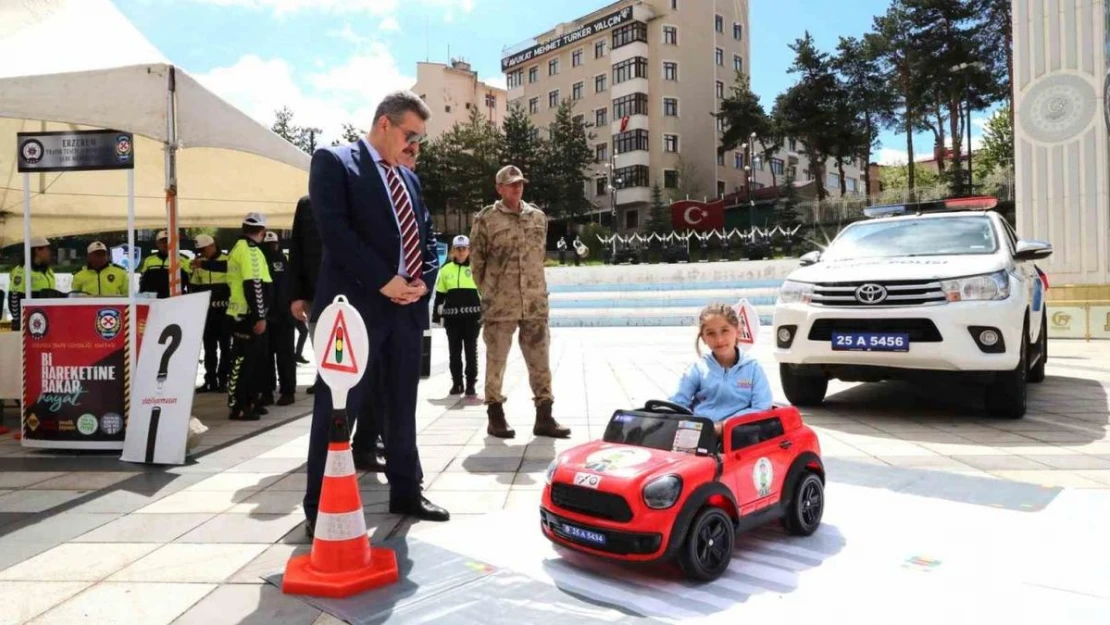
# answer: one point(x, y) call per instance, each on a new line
point(411, 136)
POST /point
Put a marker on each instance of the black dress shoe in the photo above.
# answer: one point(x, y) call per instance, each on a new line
point(418, 507)
point(367, 461)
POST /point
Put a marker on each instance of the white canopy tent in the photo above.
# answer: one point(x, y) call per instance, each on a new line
point(80, 64)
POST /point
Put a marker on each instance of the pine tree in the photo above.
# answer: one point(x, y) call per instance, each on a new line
point(659, 217)
point(570, 155)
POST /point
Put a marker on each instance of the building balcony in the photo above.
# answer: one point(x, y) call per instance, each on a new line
point(633, 157)
point(635, 122)
point(629, 51)
point(633, 195)
point(628, 87)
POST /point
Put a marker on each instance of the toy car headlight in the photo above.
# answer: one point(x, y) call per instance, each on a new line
point(662, 492)
point(793, 292)
point(551, 469)
point(991, 286)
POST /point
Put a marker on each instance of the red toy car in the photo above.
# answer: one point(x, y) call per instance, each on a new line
point(660, 485)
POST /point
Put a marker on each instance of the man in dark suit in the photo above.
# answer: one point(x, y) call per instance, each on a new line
point(379, 252)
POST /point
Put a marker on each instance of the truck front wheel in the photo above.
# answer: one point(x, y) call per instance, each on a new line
point(802, 390)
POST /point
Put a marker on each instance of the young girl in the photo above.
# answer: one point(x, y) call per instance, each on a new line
point(726, 382)
point(459, 306)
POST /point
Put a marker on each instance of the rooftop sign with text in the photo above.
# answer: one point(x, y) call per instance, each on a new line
point(603, 23)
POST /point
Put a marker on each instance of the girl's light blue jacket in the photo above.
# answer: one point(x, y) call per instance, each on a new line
point(709, 390)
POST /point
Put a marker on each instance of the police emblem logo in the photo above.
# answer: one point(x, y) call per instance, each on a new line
point(111, 278)
point(31, 151)
point(123, 148)
point(37, 325)
point(107, 323)
point(17, 280)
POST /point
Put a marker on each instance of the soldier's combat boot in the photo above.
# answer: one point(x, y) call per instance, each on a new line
point(498, 426)
point(546, 425)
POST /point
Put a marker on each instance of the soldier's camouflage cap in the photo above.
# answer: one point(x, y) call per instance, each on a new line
point(510, 174)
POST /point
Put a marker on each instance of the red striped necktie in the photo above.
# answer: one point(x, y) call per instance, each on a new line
point(410, 233)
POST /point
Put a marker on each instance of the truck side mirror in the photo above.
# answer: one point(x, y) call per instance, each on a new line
point(810, 258)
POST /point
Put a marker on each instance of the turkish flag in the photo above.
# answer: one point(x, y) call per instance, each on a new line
point(694, 215)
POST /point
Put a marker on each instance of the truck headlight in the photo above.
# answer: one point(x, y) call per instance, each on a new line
point(990, 286)
point(794, 292)
point(662, 492)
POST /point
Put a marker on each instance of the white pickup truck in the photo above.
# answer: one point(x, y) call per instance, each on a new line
point(909, 294)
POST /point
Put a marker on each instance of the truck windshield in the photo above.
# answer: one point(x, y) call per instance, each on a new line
point(946, 236)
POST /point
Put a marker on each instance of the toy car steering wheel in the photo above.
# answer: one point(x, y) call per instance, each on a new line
point(652, 405)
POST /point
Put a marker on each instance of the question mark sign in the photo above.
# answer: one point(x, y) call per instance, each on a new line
point(172, 333)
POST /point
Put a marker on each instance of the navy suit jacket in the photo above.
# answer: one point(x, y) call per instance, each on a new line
point(360, 238)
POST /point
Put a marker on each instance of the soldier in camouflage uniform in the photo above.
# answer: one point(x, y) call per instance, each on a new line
point(508, 245)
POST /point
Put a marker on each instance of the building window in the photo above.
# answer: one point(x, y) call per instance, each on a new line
point(553, 99)
point(601, 152)
point(533, 74)
point(720, 90)
point(674, 5)
point(793, 145)
point(670, 143)
point(534, 106)
point(576, 91)
point(630, 141)
point(718, 23)
point(553, 67)
point(633, 176)
point(632, 218)
point(719, 57)
point(737, 31)
point(833, 181)
point(739, 160)
point(534, 134)
point(629, 33)
point(670, 35)
point(738, 63)
point(576, 58)
point(491, 101)
point(670, 107)
point(777, 166)
point(670, 70)
point(629, 105)
point(599, 82)
point(635, 67)
point(602, 185)
point(720, 188)
point(601, 117)
point(721, 125)
point(516, 78)
point(599, 49)
point(721, 158)
point(670, 178)
point(851, 184)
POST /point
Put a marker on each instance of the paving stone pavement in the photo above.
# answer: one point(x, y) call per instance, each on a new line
point(87, 538)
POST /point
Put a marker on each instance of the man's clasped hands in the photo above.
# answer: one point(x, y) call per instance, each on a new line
point(401, 291)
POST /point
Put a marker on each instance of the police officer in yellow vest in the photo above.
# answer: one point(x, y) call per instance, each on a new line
point(248, 277)
point(42, 279)
point(154, 271)
point(210, 274)
point(100, 278)
point(460, 307)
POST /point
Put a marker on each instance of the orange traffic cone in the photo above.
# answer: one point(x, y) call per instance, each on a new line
point(342, 562)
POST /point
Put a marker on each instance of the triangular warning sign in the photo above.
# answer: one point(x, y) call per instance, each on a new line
point(338, 351)
point(745, 327)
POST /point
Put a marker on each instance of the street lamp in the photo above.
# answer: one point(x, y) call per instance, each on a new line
point(967, 92)
point(749, 175)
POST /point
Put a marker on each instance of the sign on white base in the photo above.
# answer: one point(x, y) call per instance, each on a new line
point(749, 322)
point(164, 380)
point(342, 348)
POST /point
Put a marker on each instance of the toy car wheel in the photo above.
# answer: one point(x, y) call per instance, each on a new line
point(807, 506)
point(708, 548)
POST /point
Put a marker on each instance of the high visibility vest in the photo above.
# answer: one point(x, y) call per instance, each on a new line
point(247, 263)
point(108, 281)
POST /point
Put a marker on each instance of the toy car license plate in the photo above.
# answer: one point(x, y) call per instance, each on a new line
point(596, 538)
point(871, 341)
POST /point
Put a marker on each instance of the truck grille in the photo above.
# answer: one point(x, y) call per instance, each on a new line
point(888, 293)
point(591, 502)
point(920, 330)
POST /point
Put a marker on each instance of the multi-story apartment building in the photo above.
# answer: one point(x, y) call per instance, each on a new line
point(646, 75)
point(453, 91)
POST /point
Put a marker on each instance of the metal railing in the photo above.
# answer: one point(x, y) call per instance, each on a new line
point(1079, 319)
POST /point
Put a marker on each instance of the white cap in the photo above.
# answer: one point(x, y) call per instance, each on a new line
point(461, 241)
point(96, 246)
point(161, 235)
point(271, 237)
point(40, 242)
point(203, 240)
point(254, 219)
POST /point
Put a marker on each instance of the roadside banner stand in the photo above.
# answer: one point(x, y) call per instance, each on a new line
point(79, 354)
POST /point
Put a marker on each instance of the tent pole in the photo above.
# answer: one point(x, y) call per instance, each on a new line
point(171, 185)
point(132, 321)
point(26, 239)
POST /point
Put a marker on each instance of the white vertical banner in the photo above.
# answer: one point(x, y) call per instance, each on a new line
point(163, 383)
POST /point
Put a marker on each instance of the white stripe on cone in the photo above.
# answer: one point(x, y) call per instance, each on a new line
point(340, 526)
point(340, 464)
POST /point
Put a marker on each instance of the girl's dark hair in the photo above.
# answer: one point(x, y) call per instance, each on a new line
point(713, 310)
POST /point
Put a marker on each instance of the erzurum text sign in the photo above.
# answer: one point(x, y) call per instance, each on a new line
point(80, 150)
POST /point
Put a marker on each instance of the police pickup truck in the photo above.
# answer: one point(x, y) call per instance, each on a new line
point(936, 289)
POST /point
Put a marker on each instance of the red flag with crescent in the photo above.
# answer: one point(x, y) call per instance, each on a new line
point(694, 215)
